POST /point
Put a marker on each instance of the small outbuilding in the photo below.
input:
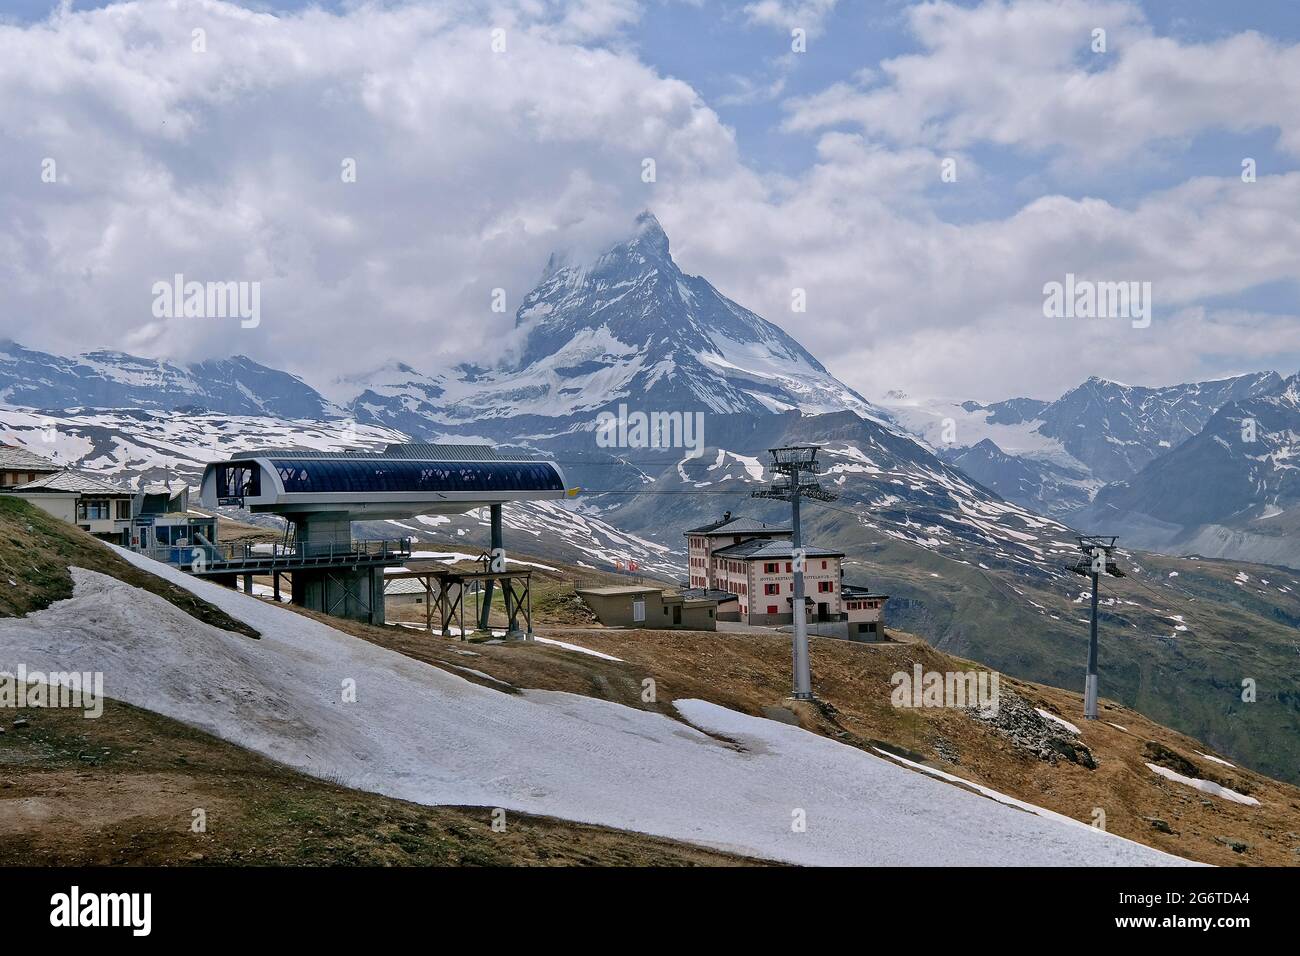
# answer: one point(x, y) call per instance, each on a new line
point(864, 612)
point(634, 605)
point(405, 592)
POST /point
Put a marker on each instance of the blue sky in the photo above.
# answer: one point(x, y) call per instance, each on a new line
point(777, 170)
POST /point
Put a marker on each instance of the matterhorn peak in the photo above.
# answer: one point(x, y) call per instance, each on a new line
point(650, 237)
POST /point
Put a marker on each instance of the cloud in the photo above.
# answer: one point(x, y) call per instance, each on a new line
point(897, 297)
point(226, 165)
point(1024, 74)
point(785, 15)
point(472, 166)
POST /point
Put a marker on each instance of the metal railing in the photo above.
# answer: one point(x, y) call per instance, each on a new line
point(260, 557)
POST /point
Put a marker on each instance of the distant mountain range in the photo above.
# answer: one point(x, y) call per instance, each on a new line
point(1055, 456)
point(1050, 487)
point(107, 379)
point(1230, 491)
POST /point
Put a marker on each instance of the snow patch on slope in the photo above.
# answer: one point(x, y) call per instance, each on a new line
point(420, 733)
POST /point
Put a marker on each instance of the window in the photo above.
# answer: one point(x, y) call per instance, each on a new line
point(787, 567)
point(825, 586)
point(771, 567)
point(239, 481)
point(823, 565)
point(771, 609)
point(771, 589)
point(124, 509)
point(94, 509)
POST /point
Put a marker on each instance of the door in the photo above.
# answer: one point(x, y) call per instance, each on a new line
point(638, 611)
point(823, 610)
point(677, 614)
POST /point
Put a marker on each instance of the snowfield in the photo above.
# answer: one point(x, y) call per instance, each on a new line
point(419, 733)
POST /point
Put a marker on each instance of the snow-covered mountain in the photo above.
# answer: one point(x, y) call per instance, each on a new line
point(1230, 491)
point(395, 396)
point(108, 379)
point(888, 482)
point(1048, 487)
point(634, 325)
point(629, 327)
point(1116, 430)
point(1054, 456)
point(132, 445)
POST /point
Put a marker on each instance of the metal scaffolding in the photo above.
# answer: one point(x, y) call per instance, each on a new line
point(449, 587)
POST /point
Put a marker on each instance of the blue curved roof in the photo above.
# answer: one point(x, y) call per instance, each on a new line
point(307, 475)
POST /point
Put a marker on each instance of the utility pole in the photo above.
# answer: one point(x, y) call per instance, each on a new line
point(790, 464)
point(1097, 560)
point(496, 563)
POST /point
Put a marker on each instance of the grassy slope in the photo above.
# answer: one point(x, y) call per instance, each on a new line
point(750, 673)
point(37, 549)
point(1190, 680)
point(121, 789)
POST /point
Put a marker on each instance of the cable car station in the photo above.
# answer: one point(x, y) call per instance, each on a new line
point(320, 494)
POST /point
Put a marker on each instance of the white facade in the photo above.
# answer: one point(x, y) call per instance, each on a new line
point(753, 560)
point(770, 588)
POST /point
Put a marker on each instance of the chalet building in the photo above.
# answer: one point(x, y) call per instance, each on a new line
point(92, 504)
point(18, 466)
point(754, 561)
